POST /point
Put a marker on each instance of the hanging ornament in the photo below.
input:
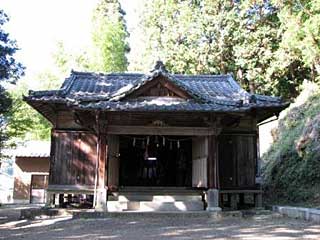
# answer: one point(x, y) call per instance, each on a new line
point(170, 145)
point(134, 142)
point(156, 141)
point(148, 140)
point(178, 144)
point(163, 141)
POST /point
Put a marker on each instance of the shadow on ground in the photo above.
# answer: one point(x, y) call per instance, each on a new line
point(258, 227)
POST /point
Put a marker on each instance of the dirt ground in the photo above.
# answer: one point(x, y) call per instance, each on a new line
point(258, 227)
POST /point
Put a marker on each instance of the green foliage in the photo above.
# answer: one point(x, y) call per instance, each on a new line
point(292, 167)
point(10, 69)
point(24, 122)
point(10, 72)
point(300, 22)
point(109, 38)
point(247, 38)
point(109, 46)
point(65, 60)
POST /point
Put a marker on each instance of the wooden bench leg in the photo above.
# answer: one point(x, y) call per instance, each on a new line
point(258, 200)
point(241, 199)
point(233, 201)
point(61, 200)
point(50, 200)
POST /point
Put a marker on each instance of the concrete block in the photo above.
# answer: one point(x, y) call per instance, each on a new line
point(308, 214)
point(115, 206)
point(314, 216)
point(213, 200)
point(169, 206)
point(43, 213)
point(101, 200)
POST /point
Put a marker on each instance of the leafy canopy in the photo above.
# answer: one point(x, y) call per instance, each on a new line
point(10, 71)
point(246, 38)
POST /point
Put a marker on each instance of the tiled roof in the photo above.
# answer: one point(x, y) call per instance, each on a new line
point(212, 93)
point(30, 149)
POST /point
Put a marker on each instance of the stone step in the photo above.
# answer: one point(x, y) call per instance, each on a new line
point(158, 198)
point(161, 190)
point(116, 206)
point(149, 206)
point(135, 215)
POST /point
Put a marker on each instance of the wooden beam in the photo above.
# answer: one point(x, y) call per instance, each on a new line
point(102, 153)
point(70, 188)
point(165, 83)
point(177, 90)
point(241, 191)
point(155, 130)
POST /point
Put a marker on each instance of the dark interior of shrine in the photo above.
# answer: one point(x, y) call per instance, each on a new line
point(155, 161)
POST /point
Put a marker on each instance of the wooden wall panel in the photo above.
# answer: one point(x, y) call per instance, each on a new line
point(227, 161)
point(113, 162)
point(89, 158)
point(246, 159)
point(243, 124)
point(73, 158)
point(66, 120)
point(213, 163)
point(147, 119)
point(237, 161)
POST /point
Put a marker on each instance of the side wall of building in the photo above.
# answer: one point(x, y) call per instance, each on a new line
point(73, 158)
point(238, 154)
point(74, 153)
point(24, 169)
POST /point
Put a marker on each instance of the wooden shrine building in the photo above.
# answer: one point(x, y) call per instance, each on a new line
point(122, 137)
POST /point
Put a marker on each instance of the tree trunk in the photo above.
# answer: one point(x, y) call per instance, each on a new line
point(252, 87)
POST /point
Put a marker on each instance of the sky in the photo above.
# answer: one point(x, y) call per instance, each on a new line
point(38, 25)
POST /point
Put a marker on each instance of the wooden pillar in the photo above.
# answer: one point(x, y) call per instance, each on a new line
point(101, 192)
point(258, 201)
point(213, 175)
point(213, 168)
point(50, 199)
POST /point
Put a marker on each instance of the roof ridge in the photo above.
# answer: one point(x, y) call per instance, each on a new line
point(142, 73)
point(202, 75)
point(42, 92)
point(73, 72)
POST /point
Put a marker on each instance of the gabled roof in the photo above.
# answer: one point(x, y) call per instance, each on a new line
point(107, 92)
